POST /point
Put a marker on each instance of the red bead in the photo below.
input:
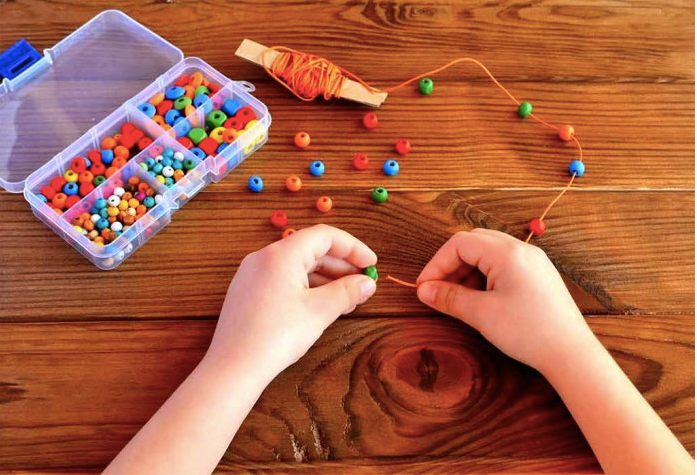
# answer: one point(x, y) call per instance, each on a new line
point(86, 188)
point(163, 107)
point(208, 145)
point(71, 201)
point(402, 146)
point(213, 87)
point(78, 165)
point(186, 142)
point(279, 219)
point(537, 227)
point(370, 120)
point(128, 141)
point(144, 143)
point(136, 135)
point(127, 128)
point(98, 168)
point(49, 192)
point(566, 133)
point(94, 156)
point(57, 183)
point(182, 80)
point(360, 161)
point(234, 123)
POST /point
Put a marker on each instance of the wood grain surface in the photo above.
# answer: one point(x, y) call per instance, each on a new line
point(86, 356)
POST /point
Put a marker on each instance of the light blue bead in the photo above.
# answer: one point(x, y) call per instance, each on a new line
point(103, 213)
point(158, 168)
point(149, 201)
point(42, 198)
point(255, 183)
point(390, 167)
point(317, 168)
point(147, 109)
point(198, 152)
point(174, 92)
point(166, 162)
point(231, 106)
point(88, 162)
point(177, 165)
point(152, 173)
point(172, 115)
point(107, 157)
point(100, 203)
point(103, 223)
point(577, 167)
point(168, 153)
point(150, 162)
point(169, 181)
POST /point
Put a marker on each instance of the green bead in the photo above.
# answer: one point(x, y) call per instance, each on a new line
point(379, 195)
point(197, 134)
point(216, 119)
point(426, 86)
point(98, 180)
point(189, 164)
point(201, 90)
point(144, 166)
point(372, 272)
point(525, 109)
point(181, 103)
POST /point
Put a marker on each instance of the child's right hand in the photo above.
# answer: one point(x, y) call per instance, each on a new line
point(526, 310)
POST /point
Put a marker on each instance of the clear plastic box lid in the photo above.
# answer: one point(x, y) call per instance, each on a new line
point(74, 86)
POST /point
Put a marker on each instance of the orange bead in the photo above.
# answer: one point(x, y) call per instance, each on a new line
point(293, 183)
point(157, 98)
point(98, 241)
point(59, 200)
point(324, 204)
point(118, 162)
point(229, 135)
point(85, 216)
point(77, 221)
point(88, 225)
point(189, 91)
point(111, 170)
point(121, 151)
point(302, 140)
point(566, 133)
point(108, 143)
point(188, 110)
point(159, 120)
point(134, 180)
point(127, 196)
point(141, 210)
point(287, 232)
point(196, 79)
point(178, 175)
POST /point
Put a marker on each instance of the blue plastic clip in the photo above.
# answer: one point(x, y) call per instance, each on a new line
point(17, 58)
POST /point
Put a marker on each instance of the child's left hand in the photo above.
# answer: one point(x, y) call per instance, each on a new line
point(285, 295)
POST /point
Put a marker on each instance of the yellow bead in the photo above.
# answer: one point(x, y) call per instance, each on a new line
point(217, 134)
point(123, 205)
point(133, 203)
point(160, 178)
point(70, 176)
point(112, 211)
point(251, 124)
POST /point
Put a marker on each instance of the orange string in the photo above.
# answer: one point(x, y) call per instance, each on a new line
point(308, 76)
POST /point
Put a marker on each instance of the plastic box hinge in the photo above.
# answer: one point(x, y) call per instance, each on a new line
point(17, 59)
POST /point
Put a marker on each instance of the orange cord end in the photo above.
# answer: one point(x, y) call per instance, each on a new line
point(401, 282)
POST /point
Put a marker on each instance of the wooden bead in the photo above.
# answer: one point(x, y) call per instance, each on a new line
point(324, 204)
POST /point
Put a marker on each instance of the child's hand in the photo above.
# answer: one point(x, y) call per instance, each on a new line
point(525, 310)
point(284, 296)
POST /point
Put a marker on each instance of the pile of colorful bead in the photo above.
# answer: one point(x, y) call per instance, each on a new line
point(225, 119)
point(86, 173)
point(167, 166)
point(110, 217)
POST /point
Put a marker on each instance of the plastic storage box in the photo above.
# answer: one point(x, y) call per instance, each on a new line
point(85, 88)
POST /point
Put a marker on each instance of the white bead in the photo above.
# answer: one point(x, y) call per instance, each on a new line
point(116, 226)
point(120, 256)
point(178, 156)
point(158, 199)
point(129, 248)
point(131, 211)
point(167, 172)
point(113, 200)
point(94, 218)
point(159, 158)
point(118, 191)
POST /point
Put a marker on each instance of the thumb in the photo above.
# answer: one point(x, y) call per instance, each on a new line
point(342, 295)
point(456, 300)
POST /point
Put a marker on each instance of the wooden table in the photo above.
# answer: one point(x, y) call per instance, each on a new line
point(87, 356)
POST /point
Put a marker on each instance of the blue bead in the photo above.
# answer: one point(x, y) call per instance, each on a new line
point(157, 168)
point(169, 181)
point(103, 223)
point(577, 167)
point(103, 213)
point(177, 165)
point(70, 189)
point(317, 168)
point(88, 162)
point(100, 203)
point(222, 147)
point(107, 157)
point(204, 101)
point(152, 173)
point(166, 162)
point(174, 92)
point(147, 109)
point(390, 167)
point(255, 183)
point(231, 106)
point(150, 162)
point(42, 198)
point(168, 153)
point(198, 152)
point(172, 115)
point(149, 201)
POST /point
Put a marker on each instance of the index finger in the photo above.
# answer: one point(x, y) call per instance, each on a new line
point(313, 243)
point(463, 248)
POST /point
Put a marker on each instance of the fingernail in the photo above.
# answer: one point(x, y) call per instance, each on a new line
point(426, 292)
point(367, 288)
